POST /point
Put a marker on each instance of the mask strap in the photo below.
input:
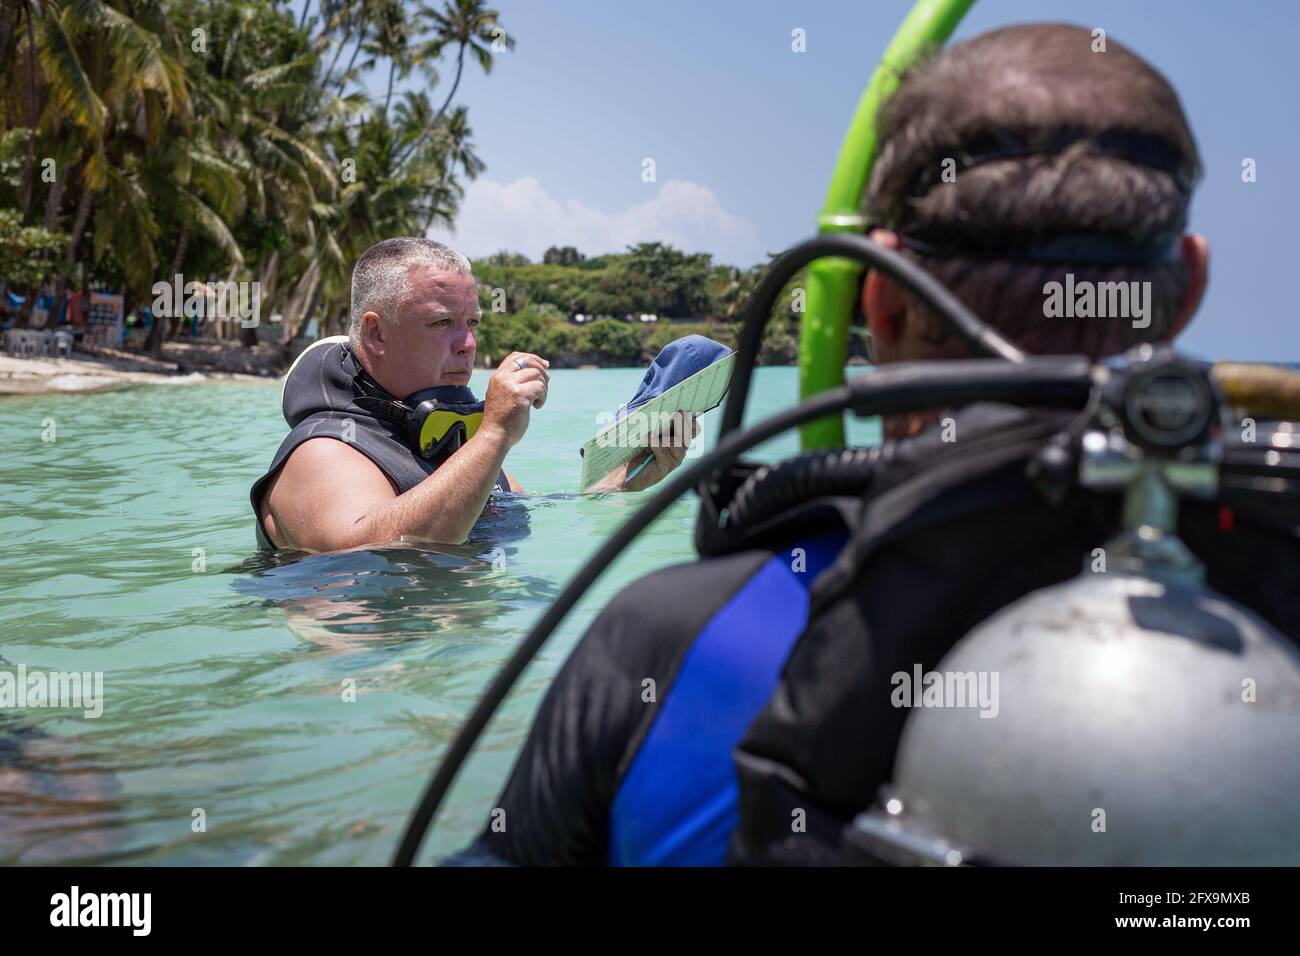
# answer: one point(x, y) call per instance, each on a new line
point(1073, 248)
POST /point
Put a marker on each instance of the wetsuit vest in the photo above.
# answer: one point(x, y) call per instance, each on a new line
point(320, 402)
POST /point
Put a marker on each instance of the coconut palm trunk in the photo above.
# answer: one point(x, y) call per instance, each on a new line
point(29, 163)
point(182, 245)
point(424, 134)
point(52, 203)
point(156, 336)
point(78, 226)
point(8, 8)
point(176, 322)
point(303, 299)
point(343, 79)
point(338, 51)
point(392, 70)
point(311, 306)
point(70, 260)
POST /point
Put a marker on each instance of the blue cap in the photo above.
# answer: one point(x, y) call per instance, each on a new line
point(678, 361)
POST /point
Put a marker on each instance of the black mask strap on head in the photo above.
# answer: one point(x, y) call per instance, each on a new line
point(1069, 248)
point(1141, 149)
point(1063, 248)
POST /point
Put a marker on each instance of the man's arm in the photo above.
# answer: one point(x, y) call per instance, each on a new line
point(328, 496)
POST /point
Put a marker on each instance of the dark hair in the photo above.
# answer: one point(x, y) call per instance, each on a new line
point(1051, 142)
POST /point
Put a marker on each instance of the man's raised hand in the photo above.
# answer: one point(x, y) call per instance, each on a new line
point(517, 386)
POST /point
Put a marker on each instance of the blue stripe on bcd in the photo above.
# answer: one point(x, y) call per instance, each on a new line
point(676, 805)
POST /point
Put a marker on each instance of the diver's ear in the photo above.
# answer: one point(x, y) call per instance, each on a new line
point(1196, 253)
point(372, 332)
point(883, 303)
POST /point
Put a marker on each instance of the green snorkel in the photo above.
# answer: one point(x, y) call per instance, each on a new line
point(833, 283)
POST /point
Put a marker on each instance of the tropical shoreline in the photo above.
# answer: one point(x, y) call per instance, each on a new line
point(183, 364)
point(104, 370)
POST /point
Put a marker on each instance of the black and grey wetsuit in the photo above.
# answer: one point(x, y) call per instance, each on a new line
point(320, 402)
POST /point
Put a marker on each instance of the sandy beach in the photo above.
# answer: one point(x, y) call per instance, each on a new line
point(109, 368)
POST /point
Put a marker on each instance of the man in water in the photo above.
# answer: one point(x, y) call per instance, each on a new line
point(349, 474)
point(708, 715)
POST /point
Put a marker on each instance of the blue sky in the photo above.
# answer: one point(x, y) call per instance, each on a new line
point(744, 131)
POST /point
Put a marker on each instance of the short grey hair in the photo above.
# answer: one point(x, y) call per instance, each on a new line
point(381, 279)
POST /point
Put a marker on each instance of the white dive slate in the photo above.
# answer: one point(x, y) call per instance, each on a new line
point(615, 443)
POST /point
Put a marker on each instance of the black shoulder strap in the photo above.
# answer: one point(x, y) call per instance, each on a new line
point(983, 471)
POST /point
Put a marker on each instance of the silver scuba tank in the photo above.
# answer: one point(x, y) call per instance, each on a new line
point(1136, 717)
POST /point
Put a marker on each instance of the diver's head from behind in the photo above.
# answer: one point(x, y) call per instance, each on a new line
point(1043, 175)
point(414, 311)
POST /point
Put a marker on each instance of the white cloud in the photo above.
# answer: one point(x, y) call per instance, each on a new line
point(521, 216)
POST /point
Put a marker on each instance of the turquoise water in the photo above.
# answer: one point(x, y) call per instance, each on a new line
point(226, 736)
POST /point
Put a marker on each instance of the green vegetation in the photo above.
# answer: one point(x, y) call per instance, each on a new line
point(230, 139)
point(28, 254)
point(235, 140)
point(528, 306)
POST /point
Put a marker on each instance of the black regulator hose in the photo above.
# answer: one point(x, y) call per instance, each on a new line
point(903, 387)
point(830, 472)
point(946, 307)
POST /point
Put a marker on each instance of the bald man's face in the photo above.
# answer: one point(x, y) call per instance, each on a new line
point(432, 342)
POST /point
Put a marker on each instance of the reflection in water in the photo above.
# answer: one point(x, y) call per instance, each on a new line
point(53, 808)
point(57, 803)
point(395, 593)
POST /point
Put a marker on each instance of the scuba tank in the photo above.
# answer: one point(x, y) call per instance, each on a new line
point(1139, 718)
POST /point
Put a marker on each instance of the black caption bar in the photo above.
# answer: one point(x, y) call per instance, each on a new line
point(334, 906)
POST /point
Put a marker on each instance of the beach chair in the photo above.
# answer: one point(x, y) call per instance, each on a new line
point(62, 343)
point(28, 343)
point(38, 339)
point(40, 312)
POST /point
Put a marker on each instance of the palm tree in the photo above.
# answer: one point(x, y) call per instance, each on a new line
point(55, 85)
point(256, 155)
point(472, 28)
point(201, 190)
point(106, 78)
point(452, 136)
point(349, 16)
point(390, 39)
point(8, 14)
point(242, 143)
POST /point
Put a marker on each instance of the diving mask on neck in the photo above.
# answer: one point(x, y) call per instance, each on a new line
point(434, 421)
